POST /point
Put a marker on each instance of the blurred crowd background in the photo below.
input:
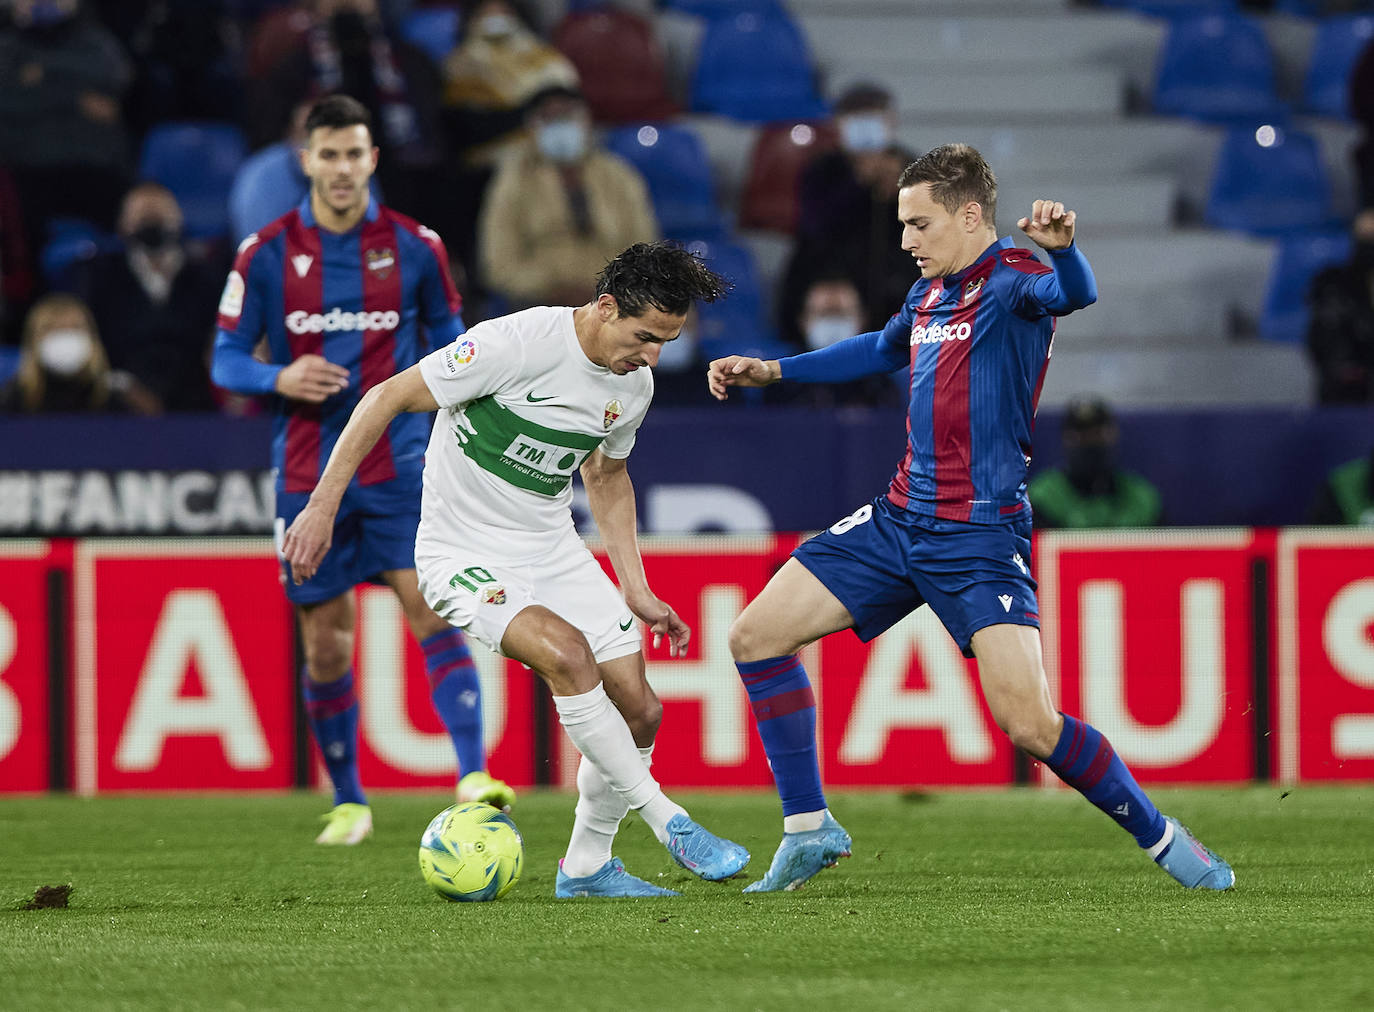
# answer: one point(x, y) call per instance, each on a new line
point(1220, 155)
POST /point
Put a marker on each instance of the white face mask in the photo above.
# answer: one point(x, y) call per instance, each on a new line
point(678, 355)
point(824, 331)
point(868, 132)
point(64, 352)
point(563, 140)
point(495, 26)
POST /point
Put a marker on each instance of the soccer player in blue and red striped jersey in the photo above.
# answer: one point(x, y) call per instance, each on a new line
point(953, 530)
point(345, 293)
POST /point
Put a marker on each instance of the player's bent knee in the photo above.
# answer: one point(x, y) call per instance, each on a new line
point(567, 664)
point(748, 642)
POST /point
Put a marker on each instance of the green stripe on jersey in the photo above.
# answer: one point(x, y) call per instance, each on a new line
point(524, 453)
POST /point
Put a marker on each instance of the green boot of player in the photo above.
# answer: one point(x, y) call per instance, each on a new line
point(480, 785)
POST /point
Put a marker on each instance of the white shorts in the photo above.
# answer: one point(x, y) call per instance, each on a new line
point(480, 591)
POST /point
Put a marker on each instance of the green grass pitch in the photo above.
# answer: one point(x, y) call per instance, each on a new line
point(1005, 900)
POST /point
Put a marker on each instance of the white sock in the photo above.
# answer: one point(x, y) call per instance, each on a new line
point(600, 733)
point(803, 822)
point(1164, 841)
point(598, 816)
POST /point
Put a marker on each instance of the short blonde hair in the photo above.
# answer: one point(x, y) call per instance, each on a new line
point(30, 379)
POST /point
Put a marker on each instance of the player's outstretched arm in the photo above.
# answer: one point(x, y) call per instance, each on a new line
point(309, 536)
point(611, 496)
point(1050, 225)
point(740, 371)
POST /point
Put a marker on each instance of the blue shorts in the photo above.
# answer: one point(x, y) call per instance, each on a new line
point(374, 531)
point(883, 563)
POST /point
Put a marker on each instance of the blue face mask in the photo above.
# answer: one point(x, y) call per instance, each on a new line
point(823, 331)
point(865, 132)
point(562, 140)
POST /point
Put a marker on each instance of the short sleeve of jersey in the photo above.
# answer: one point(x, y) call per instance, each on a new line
point(440, 303)
point(480, 362)
point(621, 439)
point(240, 304)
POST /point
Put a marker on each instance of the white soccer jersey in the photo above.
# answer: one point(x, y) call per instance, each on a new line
point(520, 407)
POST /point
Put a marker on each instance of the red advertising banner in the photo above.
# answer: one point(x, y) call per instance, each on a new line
point(183, 667)
point(24, 631)
point(1325, 699)
point(1149, 637)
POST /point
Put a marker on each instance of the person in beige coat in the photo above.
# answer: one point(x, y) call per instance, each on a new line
point(559, 208)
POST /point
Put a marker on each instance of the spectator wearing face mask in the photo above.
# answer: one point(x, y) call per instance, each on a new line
point(832, 311)
point(558, 206)
point(154, 302)
point(1340, 331)
point(63, 368)
point(1090, 490)
point(847, 210)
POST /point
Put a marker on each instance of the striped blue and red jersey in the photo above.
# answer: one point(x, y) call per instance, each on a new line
point(375, 300)
point(978, 344)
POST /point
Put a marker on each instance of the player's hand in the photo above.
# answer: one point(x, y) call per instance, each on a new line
point(307, 540)
point(1049, 225)
point(311, 378)
point(661, 621)
point(740, 371)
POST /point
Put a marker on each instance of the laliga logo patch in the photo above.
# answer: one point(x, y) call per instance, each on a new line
point(231, 302)
point(465, 352)
point(614, 409)
point(380, 262)
point(494, 595)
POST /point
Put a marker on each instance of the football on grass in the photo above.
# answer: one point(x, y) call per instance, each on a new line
point(471, 852)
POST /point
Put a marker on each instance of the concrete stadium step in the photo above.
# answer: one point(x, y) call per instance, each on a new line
point(1128, 203)
point(1002, 94)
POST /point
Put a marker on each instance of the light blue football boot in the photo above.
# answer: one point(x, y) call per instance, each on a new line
point(611, 879)
point(703, 853)
point(1191, 864)
point(801, 855)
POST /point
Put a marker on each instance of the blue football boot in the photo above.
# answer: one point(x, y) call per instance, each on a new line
point(1191, 864)
point(801, 855)
point(611, 879)
point(703, 853)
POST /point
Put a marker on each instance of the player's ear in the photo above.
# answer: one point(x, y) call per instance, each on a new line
point(607, 307)
point(973, 216)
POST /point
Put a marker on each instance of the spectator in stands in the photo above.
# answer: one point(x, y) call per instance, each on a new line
point(62, 77)
point(848, 210)
point(344, 46)
point(154, 301)
point(832, 310)
point(271, 181)
point(681, 370)
point(63, 368)
point(1090, 490)
point(1347, 494)
point(1340, 330)
point(558, 206)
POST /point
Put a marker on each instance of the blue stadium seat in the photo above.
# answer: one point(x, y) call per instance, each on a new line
point(1269, 181)
point(9, 363)
point(433, 30)
point(673, 162)
point(1300, 258)
point(738, 317)
point(1174, 8)
point(718, 8)
point(755, 66)
point(197, 162)
point(1218, 68)
point(69, 241)
point(1338, 44)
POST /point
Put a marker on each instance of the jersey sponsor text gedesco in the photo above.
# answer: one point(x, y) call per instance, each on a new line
point(301, 322)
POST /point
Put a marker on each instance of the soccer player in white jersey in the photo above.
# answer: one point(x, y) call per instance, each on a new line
point(524, 401)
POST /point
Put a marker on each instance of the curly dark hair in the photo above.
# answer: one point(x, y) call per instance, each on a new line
point(663, 275)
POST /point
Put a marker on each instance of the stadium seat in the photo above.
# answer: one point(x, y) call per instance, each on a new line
point(755, 66)
point(1174, 8)
point(718, 8)
point(1218, 68)
point(434, 30)
point(674, 165)
point(1269, 181)
point(1301, 257)
point(740, 315)
point(197, 162)
point(1338, 44)
point(780, 154)
point(69, 241)
point(633, 86)
point(9, 363)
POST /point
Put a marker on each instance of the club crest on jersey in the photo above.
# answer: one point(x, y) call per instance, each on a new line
point(614, 409)
point(494, 595)
point(381, 262)
point(972, 289)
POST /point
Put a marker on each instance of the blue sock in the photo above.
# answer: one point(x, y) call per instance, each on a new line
point(785, 714)
point(333, 711)
point(1085, 760)
point(457, 695)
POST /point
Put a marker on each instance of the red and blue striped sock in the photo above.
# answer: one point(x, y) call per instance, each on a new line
point(332, 709)
point(785, 714)
point(457, 695)
point(1085, 760)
